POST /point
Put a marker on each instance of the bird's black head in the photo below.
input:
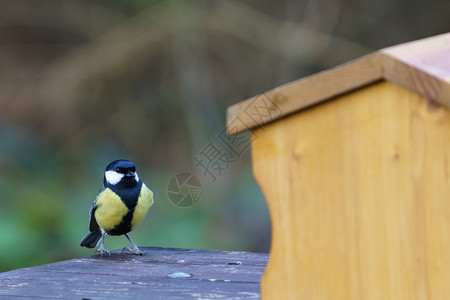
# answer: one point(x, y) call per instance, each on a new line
point(121, 172)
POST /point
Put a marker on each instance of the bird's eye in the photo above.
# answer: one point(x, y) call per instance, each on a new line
point(118, 170)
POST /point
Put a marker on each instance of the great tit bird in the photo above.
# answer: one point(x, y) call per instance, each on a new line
point(120, 206)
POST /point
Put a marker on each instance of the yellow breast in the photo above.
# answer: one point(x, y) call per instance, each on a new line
point(110, 210)
point(144, 202)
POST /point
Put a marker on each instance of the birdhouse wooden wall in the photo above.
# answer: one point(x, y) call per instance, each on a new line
point(358, 186)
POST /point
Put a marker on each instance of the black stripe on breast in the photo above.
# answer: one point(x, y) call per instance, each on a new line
point(124, 226)
point(129, 197)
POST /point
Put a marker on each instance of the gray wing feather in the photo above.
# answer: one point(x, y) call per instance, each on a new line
point(93, 225)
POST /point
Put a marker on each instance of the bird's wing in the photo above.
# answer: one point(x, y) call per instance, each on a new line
point(93, 225)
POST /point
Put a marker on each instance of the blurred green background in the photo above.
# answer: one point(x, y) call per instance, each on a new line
point(85, 82)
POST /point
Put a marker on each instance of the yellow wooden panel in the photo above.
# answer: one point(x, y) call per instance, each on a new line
point(359, 195)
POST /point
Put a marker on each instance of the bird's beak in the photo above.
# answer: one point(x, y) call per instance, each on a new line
point(130, 174)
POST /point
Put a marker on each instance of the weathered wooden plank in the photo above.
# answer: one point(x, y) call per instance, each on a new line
point(215, 274)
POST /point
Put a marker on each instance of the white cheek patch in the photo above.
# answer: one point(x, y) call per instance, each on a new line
point(136, 176)
point(112, 177)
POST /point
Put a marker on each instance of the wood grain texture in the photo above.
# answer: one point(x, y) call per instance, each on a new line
point(216, 274)
point(357, 190)
point(421, 66)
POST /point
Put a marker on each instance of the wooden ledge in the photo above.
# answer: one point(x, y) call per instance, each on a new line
point(215, 274)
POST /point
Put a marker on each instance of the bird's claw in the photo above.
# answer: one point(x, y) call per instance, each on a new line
point(102, 250)
point(134, 250)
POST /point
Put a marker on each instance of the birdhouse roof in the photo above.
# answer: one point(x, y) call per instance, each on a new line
point(421, 66)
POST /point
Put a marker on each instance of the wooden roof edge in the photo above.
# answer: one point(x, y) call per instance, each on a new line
point(311, 90)
point(422, 66)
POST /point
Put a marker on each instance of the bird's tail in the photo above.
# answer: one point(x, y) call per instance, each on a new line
point(91, 239)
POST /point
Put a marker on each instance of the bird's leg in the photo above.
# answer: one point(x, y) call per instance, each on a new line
point(102, 248)
point(134, 249)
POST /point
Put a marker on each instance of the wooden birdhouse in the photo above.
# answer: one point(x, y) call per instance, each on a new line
point(354, 163)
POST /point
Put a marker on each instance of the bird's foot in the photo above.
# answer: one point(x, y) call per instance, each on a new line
point(102, 250)
point(134, 250)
